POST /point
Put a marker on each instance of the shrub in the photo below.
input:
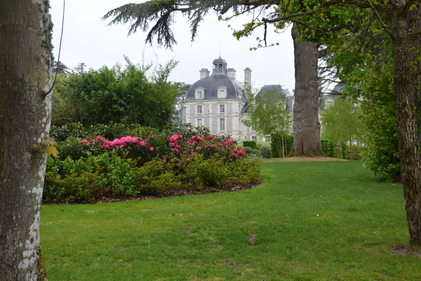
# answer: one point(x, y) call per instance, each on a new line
point(248, 150)
point(277, 139)
point(265, 152)
point(251, 144)
point(130, 166)
point(109, 131)
point(328, 148)
point(87, 179)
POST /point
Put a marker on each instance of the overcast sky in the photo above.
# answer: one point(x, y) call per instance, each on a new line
point(88, 39)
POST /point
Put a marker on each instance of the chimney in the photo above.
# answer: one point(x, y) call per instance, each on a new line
point(231, 73)
point(247, 80)
point(204, 72)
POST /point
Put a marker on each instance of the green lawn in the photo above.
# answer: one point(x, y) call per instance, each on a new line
point(307, 221)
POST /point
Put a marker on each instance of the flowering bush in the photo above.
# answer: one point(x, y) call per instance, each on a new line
point(89, 168)
point(144, 150)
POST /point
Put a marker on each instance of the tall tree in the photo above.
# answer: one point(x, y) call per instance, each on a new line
point(268, 115)
point(118, 95)
point(25, 79)
point(61, 68)
point(306, 106)
point(340, 123)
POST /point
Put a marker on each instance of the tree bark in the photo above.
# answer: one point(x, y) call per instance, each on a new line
point(406, 118)
point(25, 78)
point(306, 106)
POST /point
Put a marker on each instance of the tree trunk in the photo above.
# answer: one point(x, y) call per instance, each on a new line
point(306, 106)
point(25, 77)
point(407, 122)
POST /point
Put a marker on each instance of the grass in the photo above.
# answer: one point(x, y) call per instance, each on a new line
point(307, 221)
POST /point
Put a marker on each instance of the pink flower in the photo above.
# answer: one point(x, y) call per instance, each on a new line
point(236, 156)
point(198, 147)
point(229, 141)
point(175, 137)
point(171, 144)
point(86, 142)
point(193, 137)
point(209, 137)
point(175, 150)
point(178, 146)
point(212, 145)
point(151, 148)
point(150, 136)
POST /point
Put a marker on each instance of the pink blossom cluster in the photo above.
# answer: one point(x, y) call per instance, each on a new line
point(116, 143)
point(238, 152)
point(207, 145)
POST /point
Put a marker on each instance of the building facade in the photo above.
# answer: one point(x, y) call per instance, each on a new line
point(219, 102)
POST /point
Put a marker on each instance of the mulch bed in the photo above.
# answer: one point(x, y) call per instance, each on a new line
point(177, 192)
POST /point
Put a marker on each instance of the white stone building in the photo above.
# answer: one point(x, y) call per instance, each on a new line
point(219, 102)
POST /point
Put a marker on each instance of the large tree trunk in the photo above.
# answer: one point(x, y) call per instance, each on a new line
point(306, 106)
point(407, 121)
point(25, 77)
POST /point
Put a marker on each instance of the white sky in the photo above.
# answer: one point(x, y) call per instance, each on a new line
point(88, 39)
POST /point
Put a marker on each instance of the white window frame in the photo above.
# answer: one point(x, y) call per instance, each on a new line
point(199, 122)
point(222, 124)
point(222, 92)
point(199, 109)
point(222, 106)
point(254, 138)
point(199, 93)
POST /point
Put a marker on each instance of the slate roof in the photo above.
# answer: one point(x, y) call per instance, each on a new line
point(218, 78)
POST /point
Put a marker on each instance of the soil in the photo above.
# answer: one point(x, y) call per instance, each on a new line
point(404, 250)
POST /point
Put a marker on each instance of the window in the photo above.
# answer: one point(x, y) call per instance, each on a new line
point(254, 138)
point(199, 94)
point(222, 93)
point(222, 124)
point(199, 122)
point(267, 138)
point(222, 108)
point(246, 137)
point(199, 109)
